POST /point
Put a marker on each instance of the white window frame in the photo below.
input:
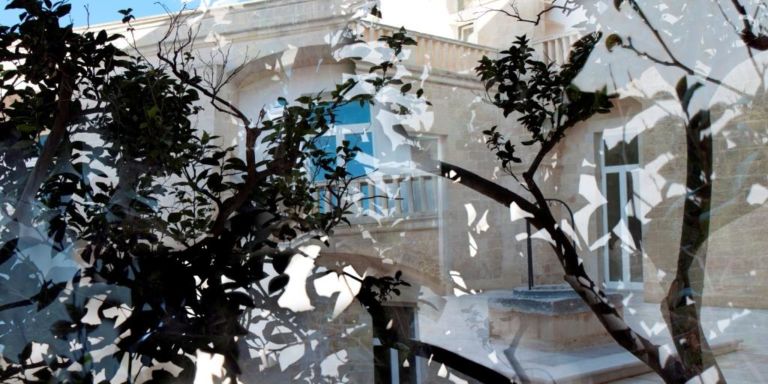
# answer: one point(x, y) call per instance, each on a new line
point(463, 5)
point(623, 171)
point(462, 29)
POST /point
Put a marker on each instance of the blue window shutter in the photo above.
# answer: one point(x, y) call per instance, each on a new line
point(353, 113)
point(328, 145)
point(349, 114)
point(364, 142)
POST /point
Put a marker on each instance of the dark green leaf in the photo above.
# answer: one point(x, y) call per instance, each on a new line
point(277, 283)
point(241, 298)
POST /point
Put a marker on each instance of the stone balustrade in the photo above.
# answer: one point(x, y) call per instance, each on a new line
point(556, 48)
point(389, 196)
point(461, 57)
point(438, 52)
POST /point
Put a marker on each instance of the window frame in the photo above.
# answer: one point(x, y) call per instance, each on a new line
point(340, 130)
point(462, 32)
point(627, 135)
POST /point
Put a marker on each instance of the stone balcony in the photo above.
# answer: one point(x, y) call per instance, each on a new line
point(461, 57)
point(556, 48)
point(439, 53)
point(389, 197)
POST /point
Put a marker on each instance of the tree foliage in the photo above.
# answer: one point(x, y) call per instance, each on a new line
point(130, 236)
point(541, 96)
point(546, 104)
point(128, 233)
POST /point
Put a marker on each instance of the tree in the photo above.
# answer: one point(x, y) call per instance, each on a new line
point(131, 241)
point(123, 227)
point(547, 102)
point(117, 208)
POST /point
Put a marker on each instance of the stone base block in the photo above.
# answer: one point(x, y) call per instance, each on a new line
point(547, 318)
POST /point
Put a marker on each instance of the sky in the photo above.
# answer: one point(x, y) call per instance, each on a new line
point(101, 11)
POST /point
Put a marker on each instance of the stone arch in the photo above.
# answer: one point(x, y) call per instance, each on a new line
point(375, 265)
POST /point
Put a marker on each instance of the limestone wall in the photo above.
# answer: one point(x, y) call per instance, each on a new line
point(736, 268)
point(468, 233)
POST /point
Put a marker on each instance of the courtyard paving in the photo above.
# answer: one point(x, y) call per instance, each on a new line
point(739, 335)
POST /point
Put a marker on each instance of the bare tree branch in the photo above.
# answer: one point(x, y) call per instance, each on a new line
point(567, 7)
point(476, 182)
point(171, 49)
point(673, 60)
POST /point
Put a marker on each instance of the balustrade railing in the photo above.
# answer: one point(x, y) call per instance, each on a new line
point(388, 196)
point(556, 48)
point(439, 52)
point(462, 57)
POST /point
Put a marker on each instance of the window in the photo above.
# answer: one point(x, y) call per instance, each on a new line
point(466, 31)
point(352, 125)
point(623, 252)
point(393, 366)
point(619, 151)
point(400, 189)
point(403, 188)
point(424, 185)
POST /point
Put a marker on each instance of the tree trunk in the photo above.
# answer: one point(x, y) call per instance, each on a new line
point(682, 306)
point(23, 215)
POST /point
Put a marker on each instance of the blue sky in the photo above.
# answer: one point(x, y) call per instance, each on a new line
point(104, 10)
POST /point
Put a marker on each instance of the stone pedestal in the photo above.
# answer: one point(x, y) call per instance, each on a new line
point(547, 318)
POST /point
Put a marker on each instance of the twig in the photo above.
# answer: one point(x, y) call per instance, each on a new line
point(567, 7)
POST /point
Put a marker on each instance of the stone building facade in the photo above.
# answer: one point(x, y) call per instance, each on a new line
point(450, 240)
point(289, 50)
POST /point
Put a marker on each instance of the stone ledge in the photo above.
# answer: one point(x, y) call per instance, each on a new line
point(547, 318)
point(551, 300)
